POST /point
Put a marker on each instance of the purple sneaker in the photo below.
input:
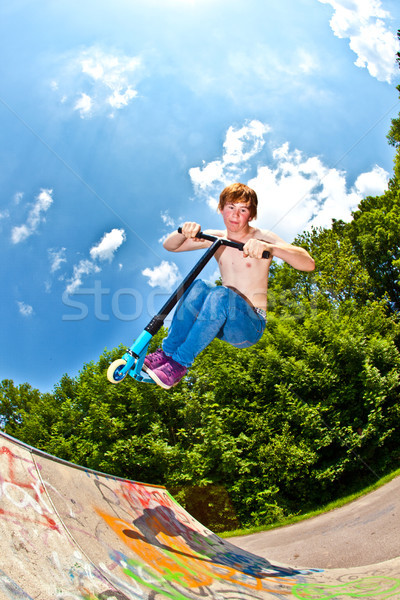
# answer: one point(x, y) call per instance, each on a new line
point(154, 360)
point(169, 374)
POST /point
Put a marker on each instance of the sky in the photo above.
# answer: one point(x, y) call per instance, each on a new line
point(119, 121)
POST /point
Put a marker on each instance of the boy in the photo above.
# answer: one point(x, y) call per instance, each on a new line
point(235, 311)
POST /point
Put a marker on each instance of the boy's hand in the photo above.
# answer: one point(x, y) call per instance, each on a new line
point(255, 248)
point(190, 230)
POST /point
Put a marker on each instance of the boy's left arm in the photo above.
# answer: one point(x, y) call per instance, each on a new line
point(295, 256)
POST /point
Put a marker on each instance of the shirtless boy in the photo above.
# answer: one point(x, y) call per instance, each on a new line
point(235, 311)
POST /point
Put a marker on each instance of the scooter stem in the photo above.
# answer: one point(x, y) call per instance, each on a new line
point(158, 320)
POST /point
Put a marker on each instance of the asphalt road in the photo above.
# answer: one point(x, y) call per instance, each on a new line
point(364, 532)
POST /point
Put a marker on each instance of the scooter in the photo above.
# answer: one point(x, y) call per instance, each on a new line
point(132, 361)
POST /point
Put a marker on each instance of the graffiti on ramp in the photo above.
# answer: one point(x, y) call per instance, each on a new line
point(69, 532)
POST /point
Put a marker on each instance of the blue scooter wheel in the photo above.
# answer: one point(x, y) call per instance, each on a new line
point(114, 371)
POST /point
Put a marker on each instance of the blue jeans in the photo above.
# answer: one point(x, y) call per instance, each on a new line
point(206, 312)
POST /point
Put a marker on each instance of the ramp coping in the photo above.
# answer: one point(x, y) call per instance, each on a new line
point(44, 454)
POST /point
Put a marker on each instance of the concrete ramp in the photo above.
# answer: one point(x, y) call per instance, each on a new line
point(72, 533)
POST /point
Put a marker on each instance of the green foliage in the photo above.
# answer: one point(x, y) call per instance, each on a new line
point(26, 413)
point(339, 275)
point(375, 234)
point(394, 131)
point(211, 504)
point(271, 431)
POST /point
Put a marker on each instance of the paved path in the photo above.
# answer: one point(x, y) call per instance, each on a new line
point(364, 532)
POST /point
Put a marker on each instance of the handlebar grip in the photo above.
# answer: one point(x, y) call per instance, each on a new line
point(240, 247)
point(180, 231)
point(202, 236)
point(224, 242)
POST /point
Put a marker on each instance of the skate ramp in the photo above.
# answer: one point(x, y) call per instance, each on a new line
point(72, 533)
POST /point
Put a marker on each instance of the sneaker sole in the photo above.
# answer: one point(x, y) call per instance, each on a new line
point(154, 377)
point(148, 368)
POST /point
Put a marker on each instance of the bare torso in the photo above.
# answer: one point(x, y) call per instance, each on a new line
point(247, 276)
point(245, 272)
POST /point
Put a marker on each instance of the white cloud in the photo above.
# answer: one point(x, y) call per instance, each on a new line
point(104, 250)
point(372, 183)
point(167, 219)
point(165, 275)
point(294, 191)
point(18, 197)
point(57, 257)
point(96, 81)
point(84, 105)
point(108, 245)
point(20, 233)
point(241, 144)
point(25, 309)
point(84, 267)
point(119, 99)
point(258, 69)
point(363, 23)
point(42, 203)
point(297, 192)
point(308, 63)
point(239, 147)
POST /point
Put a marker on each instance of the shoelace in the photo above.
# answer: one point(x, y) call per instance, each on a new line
point(158, 354)
point(172, 369)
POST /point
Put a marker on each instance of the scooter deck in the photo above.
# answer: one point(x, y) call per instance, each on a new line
point(142, 377)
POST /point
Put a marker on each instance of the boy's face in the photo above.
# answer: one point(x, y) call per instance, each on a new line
point(236, 215)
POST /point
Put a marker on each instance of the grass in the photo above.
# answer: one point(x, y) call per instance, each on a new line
point(324, 509)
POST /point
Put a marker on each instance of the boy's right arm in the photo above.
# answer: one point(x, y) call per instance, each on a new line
point(181, 242)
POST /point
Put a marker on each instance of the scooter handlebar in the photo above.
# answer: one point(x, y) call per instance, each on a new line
point(224, 242)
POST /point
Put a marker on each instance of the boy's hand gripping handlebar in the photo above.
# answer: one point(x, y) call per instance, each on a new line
point(223, 242)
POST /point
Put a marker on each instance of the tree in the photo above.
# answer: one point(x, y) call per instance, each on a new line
point(339, 276)
point(26, 413)
point(394, 131)
point(375, 234)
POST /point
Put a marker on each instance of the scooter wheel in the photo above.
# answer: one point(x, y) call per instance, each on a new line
point(114, 373)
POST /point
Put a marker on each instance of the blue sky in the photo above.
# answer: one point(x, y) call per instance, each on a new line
point(119, 121)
